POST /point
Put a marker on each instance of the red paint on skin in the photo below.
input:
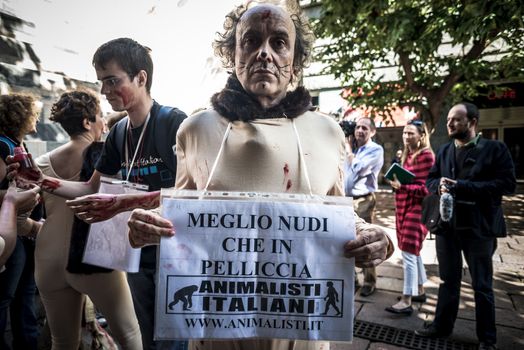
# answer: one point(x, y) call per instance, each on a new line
point(125, 95)
point(30, 174)
point(286, 176)
point(50, 185)
point(149, 200)
point(266, 14)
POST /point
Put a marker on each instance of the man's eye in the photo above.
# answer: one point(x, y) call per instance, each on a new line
point(280, 43)
point(111, 81)
point(249, 41)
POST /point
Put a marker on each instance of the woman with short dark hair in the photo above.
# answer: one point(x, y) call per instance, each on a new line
point(63, 280)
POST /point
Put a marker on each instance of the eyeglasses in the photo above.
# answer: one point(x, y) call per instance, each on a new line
point(416, 122)
point(111, 82)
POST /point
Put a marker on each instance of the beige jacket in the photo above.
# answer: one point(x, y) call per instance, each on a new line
point(261, 155)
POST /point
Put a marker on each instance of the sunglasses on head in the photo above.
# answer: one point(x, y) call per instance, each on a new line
point(416, 122)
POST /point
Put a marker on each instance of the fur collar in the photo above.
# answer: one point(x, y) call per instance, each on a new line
point(234, 103)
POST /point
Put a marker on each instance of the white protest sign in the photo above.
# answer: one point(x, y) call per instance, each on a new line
point(108, 244)
point(266, 269)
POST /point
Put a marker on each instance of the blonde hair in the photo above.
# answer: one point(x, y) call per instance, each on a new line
point(423, 143)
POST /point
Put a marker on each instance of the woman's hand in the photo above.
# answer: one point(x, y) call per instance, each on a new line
point(370, 248)
point(146, 227)
point(26, 179)
point(101, 206)
point(395, 184)
point(24, 201)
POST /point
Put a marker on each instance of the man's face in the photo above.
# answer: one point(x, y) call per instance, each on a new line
point(120, 91)
point(265, 42)
point(363, 131)
point(458, 124)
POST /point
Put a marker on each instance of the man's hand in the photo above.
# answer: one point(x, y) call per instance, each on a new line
point(26, 179)
point(370, 247)
point(349, 149)
point(95, 207)
point(446, 184)
point(146, 227)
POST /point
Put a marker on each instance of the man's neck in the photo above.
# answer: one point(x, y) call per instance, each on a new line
point(138, 114)
point(461, 142)
point(268, 101)
point(363, 144)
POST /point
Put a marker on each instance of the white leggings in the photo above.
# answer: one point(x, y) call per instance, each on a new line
point(414, 273)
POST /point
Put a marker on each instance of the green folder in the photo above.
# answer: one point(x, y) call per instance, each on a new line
point(403, 176)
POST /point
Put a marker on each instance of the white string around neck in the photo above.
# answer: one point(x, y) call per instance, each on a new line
point(224, 139)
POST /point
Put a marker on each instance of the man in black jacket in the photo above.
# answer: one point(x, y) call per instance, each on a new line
point(477, 172)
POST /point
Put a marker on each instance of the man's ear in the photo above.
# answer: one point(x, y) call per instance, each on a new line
point(142, 78)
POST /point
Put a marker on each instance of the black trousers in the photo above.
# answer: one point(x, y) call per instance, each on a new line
point(478, 253)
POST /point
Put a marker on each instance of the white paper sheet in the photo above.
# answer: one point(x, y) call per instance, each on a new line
point(243, 269)
point(108, 243)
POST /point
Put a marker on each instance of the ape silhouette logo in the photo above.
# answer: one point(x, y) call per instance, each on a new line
point(184, 295)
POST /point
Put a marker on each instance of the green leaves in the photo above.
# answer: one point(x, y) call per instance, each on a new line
point(449, 47)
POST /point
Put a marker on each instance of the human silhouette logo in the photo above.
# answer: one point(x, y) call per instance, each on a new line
point(331, 299)
point(184, 295)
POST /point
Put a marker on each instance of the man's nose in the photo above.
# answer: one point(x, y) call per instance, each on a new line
point(263, 52)
point(104, 90)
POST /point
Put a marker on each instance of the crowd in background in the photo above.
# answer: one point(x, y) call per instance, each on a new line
point(41, 239)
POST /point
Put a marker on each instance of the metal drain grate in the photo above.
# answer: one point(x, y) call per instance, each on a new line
point(404, 338)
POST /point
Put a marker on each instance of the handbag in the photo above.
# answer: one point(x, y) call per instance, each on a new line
point(100, 338)
point(431, 214)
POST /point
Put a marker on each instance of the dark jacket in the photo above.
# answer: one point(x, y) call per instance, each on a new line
point(488, 173)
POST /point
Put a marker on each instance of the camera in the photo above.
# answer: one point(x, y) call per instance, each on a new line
point(348, 127)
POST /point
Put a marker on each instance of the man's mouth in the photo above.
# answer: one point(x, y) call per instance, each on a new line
point(263, 71)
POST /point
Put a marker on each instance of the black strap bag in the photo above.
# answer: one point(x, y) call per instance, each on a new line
point(431, 214)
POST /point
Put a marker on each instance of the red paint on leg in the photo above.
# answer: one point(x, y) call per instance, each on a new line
point(288, 185)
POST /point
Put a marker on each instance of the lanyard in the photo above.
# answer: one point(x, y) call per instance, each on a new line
point(129, 166)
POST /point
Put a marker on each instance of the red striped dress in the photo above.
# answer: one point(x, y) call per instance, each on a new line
point(408, 199)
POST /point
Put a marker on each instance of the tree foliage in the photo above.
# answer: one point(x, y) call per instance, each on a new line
point(440, 51)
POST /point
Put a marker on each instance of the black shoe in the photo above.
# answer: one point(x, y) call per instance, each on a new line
point(367, 290)
point(487, 346)
point(432, 331)
point(417, 298)
point(404, 311)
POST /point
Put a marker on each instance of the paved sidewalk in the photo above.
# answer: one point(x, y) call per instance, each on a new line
point(508, 284)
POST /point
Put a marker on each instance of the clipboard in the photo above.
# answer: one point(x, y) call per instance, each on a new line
point(403, 176)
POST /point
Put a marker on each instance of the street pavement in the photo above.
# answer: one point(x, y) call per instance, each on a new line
point(508, 263)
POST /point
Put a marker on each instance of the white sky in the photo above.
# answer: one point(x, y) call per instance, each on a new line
point(179, 32)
